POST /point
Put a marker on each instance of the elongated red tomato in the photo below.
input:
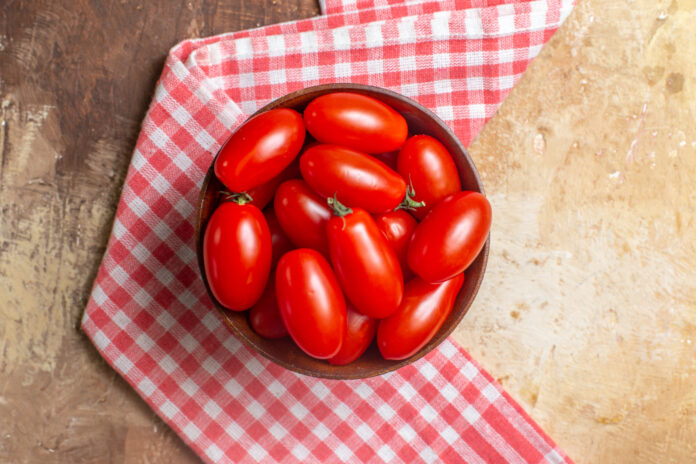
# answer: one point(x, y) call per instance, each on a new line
point(264, 316)
point(360, 331)
point(237, 255)
point(421, 314)
point(262, 194)
point(303, 215)
point(450, 237)
point(260, 149)
point(311, 302)
point(355, 121)
point(280, 243)
point(365, 264)
point(355, 178)
point(427, 164)
point(397, 227)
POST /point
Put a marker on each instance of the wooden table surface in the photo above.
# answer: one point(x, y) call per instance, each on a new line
point(587, 315)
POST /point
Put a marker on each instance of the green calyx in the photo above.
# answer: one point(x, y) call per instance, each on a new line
point(338, 208)
point(408, 203)
point(239, 198)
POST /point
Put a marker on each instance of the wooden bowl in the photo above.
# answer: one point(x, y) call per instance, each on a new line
point(284, 351)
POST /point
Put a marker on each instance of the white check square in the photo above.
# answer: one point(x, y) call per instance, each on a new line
point(300, 452)
point(373, 35)
point(364, 432)
point(167, 364)
point(205, 140)
point(255, 409)
point(98, 295)
point(166, 320)
point(471, 414)
point(189, 387)
point(214, 453)
point(212, 409)
point(123, 364)
point(169, 409)
point(407, 433)
point(210, 365)
point(299, 411)
point(321, 431)
point(278, 431)
point(491, 393)
point(145, 342)
point(386, 453)
point(191, 431)
point(449, 435)
point(119, 275)
point(257, 452)
point(276, 45)
point(320, 390)
point(147, 387)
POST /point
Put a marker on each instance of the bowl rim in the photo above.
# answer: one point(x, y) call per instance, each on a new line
point(285, 101)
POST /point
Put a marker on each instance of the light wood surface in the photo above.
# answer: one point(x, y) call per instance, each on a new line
point(587, 314)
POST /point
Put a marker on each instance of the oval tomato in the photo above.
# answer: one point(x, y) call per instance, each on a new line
point(355, 178)
point(262, 194)
point(237, 254)
point(303, 215)
point(260, 149)
point(355, 121)
point(421, 314)
point(365, 264)
point(264, 316)
point(427, 165)
point(360, 331)
point(280, 243)
point(311, 302)
point(450, 237)
point(397, 227)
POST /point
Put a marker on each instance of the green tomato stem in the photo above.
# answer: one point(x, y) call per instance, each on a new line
point(338, 208)
point(408, 203)
point(240, 198)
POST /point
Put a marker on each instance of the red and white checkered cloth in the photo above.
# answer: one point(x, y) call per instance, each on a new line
point(149, 314)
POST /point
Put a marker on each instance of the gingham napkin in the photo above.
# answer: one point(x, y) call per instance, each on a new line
point(150, 317)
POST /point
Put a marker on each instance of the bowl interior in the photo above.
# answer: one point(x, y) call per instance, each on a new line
point(284, 351)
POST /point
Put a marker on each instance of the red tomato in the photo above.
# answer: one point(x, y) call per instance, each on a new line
point(263, 194)
point(397, 227)
point(360, 330)
point(280, 243)
point(450, 237)
point(365, 264)
point(264, 316)
point(237, 254)
point(355, 121)
point(428, 166)
point(303, 215)
point(421, 314)
point(260, 149)
point(311, 303)
point(355, 178)
point(388, 158)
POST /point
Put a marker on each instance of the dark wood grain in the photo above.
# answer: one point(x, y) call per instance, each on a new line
point(284, 352)
point(76, 77)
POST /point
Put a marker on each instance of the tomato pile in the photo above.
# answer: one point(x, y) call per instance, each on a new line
point(352, 233)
